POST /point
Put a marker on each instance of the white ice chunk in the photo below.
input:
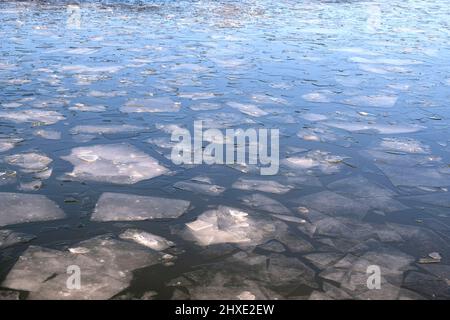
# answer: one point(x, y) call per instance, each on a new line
point(378, 127)
point(205, 106)
point(200, 187)
point(261, 185)
point(113, 163)
point(228, 225)
point(151, 105)
point(29, 162)
point(378, 101)
point(20, 208)
point(404, 145)
point(9, 238)
point(319, 160)
point(106, 269)
point(146, 239)
point(334, 204)
point(248, 109)
point(48, 134)
point(106, 129)
point(8, 143)
point(261, 202)
point(129, 207)
point(32, 115)
point(84, 108)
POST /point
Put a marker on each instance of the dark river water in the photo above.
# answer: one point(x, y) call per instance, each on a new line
point(92, 91)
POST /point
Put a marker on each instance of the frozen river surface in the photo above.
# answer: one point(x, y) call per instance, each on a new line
point(91, 92)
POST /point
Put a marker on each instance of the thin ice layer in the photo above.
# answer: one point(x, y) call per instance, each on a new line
point(129, 207)
point(20, 208)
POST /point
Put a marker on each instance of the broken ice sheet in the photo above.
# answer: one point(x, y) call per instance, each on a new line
point(9, 238)
point(229, 225)
point(8, 143)
point(87, 108)
point(365, 191)
point(248, 109)
point(319, 96)
point(407, 145)
point(205, 106)
point(261, 185)
point(106, 129)
point(106, 267)
point(146, 239)
point(113, 163)
point(199, 187)
point(411, 170)
point(334, 204)
point(261, 202)
point(32, 115)
point(48, 134)
point(129, 207)
point(378, 101)
point(377, 127)
point(272, 277)
point(318, 160)
point(29, 162)
point(151, 105)
point(20, 208)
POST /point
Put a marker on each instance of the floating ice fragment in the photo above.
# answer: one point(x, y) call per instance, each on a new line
point(8, 143)
point(197, 95)
point(84, 108)
point(261, 202)
point(375, 196)
point(322, 97)
point(20, 208)
point(86, 69)
point(106, 129)
point(199, 187)
point(379, 101)
point(29, 162)
point(319, 160)
point(113, 163)
point(205, 106)
point(106, 269)
point(248, 109)
point(261, 185)
point(334, 204)
point(151, 105)
point(404, 145)
point(146, 239)
point(228, 225)
point(48, 134)
point(378, 127)
point(32, 115)
point(9, 238)
point(128, 207)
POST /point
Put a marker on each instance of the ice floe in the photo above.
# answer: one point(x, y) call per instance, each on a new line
point(200, 187)
point(228, 225)
point(106, 267)
point(113, 163)
point(261, 185)
point(32, 115)
point(10, 238)
point(146, 239)
point(151, 105)
point(29, 162)
point(248, 109)
point(21, 207)
point(129, 207)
